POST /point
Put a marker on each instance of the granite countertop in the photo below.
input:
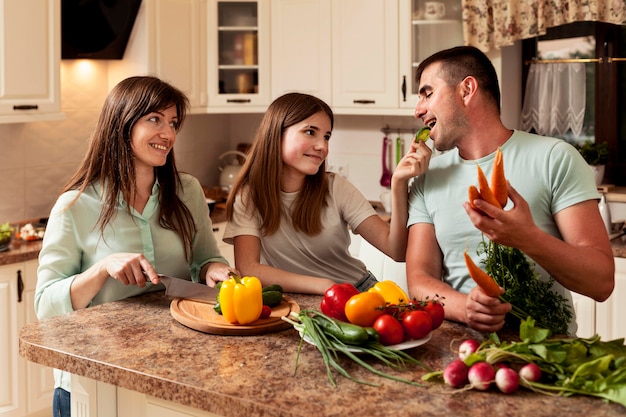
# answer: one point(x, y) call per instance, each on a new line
point(137, 344)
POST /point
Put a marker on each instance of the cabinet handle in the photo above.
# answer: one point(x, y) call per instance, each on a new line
point(26, 107)
point(238, 100)
point(364, 101)
point(404, 88)
point(20, 286)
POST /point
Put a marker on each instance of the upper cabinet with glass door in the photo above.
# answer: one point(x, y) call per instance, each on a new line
point(238, 57)
point(425, 28)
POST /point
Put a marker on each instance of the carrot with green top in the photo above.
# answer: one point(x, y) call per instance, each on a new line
point(498, 180)
point(482, 279)
point(485, 192)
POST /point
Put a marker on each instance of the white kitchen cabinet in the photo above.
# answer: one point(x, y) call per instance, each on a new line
point(585, 309)
point(168, 40)
point(365, 56)
point(25, 387)
point(238, 34)
point(301, 58)
point(226, 249)
point(609, 314)
point(420, 36)
point(604, 318)
point(91, 398)
point(379, 264)
point(30, 54)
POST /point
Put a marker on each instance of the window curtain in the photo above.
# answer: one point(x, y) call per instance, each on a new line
point(555, 98)
point(491, 24)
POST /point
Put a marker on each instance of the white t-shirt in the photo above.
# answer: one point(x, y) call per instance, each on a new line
point(548, 173)
point(324, 255)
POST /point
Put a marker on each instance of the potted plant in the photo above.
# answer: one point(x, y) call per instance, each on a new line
point(597, 155)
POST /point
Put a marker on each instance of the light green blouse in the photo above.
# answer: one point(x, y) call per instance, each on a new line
point(73, 243)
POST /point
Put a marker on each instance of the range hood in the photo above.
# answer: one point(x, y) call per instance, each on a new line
point(96, 29)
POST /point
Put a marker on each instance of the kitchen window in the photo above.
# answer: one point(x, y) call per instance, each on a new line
point(601, 47)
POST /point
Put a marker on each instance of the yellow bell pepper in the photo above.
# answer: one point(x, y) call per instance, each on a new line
point(391, 292)
point(241, 299)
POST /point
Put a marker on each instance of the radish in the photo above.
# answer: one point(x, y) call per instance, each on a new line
point(455, 374)
point(481, 375)
point(467, 347)
point(507, 380)
point(530, 372)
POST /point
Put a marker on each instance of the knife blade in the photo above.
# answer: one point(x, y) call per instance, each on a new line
point(182, 288)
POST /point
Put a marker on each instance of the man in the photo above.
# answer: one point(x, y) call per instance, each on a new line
point(552, 215)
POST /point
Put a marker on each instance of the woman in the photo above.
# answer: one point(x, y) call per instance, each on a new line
point(126, 214)
point(289, 219)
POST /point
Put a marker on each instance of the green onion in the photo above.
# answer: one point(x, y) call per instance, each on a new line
point(331, 348)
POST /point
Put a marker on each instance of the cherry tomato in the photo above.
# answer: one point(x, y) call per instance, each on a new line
point(266, 311)
point(389, 329)
point(364, 308)
point(417, 324)
point(435, 309)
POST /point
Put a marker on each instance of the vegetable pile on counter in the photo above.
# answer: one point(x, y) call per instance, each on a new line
point(510, 268)
point(5, 233)
point(373, 322)
point(551, 366)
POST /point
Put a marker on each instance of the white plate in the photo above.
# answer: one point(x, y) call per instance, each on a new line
point(400, 346)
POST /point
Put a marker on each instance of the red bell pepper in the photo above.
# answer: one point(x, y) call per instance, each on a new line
point(335, 298)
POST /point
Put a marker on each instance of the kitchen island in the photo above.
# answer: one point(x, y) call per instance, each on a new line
point(138, 347)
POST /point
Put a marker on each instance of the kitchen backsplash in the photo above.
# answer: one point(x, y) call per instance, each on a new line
point(38, 158)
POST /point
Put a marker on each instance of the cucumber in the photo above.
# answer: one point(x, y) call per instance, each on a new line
point(423, 134)
point(273, 287)
point(272, 298)
point(372, 334)
point(348, 333)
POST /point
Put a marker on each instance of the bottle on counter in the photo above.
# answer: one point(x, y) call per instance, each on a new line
point(603, 206)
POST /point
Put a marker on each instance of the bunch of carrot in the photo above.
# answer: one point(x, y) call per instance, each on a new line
point(497, 195)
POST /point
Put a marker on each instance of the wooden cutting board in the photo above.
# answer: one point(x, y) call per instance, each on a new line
point(202, 317)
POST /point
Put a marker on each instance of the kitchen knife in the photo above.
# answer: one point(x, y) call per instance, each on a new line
point(181, 288)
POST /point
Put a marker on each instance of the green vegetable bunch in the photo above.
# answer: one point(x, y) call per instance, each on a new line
point(529, 295)
point(569, 366)
point(334, 338)
point(5, 233)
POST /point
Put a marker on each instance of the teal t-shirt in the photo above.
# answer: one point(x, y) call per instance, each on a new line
point(548, 173)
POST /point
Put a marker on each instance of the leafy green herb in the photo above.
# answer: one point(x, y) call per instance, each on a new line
point(570, 366)
point(529, 295)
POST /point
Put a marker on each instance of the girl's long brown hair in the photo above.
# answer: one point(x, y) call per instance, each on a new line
point(110, 161)
point(261, 174)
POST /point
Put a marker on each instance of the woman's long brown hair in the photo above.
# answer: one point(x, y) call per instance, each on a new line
point(261, 174)
point(110, 161)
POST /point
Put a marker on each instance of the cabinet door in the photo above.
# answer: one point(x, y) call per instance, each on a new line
point(585, 309)
point(238, 55)
point(365, 54)
point(227, 250)
point(423, 34)
point(610, 313)
point(11, 319)
point(301, 59)
point(39, 379)
point(30, 56)
point(168, 41)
